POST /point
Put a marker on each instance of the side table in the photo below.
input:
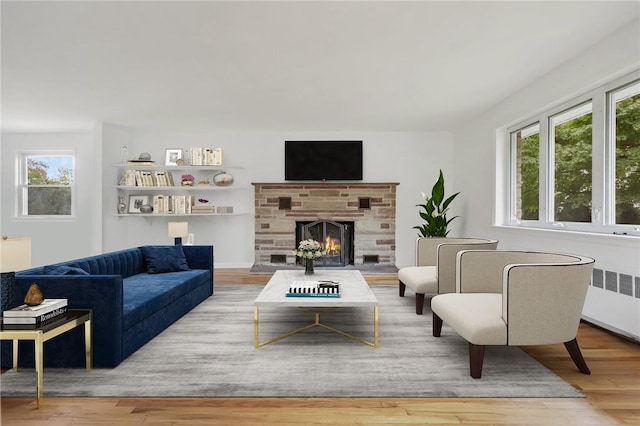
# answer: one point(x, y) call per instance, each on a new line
point(70, 320)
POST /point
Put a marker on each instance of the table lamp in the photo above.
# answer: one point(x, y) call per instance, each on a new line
point(15, 255)
point(178, 230)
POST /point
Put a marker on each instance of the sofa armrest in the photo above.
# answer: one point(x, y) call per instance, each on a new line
point(542, 303)
point(199, 257)
point(100, 293)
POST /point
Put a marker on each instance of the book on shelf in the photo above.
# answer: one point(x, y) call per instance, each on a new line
point(172, 204)
point(128, 178)
point(26, 311)
point(39, 320)
point(200, 156)
point(146, 178)
point(202, 209)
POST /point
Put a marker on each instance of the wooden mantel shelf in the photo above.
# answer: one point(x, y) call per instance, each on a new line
point(324, 184)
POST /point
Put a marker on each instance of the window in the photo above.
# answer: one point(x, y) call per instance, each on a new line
point(577, 166)
point(46, 183)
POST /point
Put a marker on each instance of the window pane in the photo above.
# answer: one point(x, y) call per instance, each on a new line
point(49, 201)
point(49, 170)
point(527, 172)
point(572, 172)
point(627, 155)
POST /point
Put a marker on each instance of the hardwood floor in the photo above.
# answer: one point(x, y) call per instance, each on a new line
point(612, 396)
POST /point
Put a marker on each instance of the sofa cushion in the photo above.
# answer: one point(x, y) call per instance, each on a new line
point(144, 294)
point(477, 317)
point(421, 279)
point(162, 259)
point(63, 270)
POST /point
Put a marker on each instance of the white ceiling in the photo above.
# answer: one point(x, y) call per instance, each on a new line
point(292, 66)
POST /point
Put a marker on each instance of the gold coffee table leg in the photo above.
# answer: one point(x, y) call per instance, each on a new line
point(317, 323)
point(376, 321)
point(255, 327)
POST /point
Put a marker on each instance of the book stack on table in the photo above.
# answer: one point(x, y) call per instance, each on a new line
point(26, 316)
point(314, 289)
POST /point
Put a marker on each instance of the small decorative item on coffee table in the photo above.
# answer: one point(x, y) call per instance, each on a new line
point(308, 250)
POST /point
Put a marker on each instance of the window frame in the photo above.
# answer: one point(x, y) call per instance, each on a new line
point(602, 169)
point(610, 209)
point(22, 184)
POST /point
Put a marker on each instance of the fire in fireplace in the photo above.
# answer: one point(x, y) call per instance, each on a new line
point(336, 237)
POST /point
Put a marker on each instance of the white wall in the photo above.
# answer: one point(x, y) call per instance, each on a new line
point(61, 239)
point(482, 180)
point(412, 159)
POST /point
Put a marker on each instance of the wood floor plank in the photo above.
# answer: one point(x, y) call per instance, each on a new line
point(612, 395)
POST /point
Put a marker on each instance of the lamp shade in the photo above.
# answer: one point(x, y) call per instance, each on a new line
point(15, 253)
point(178, 229)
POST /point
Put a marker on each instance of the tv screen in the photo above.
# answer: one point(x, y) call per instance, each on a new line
point(323, 160)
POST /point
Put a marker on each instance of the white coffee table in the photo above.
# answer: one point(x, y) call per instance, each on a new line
point(355, 292)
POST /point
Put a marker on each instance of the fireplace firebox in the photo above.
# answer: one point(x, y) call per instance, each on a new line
point(336, 237)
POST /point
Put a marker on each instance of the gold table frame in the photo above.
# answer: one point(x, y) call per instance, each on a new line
point(75, 317)
point(317, 323)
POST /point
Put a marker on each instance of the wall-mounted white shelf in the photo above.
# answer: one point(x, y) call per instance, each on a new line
point(151, 193)
point(176, 168)
point(178, 215)
point(180, 188)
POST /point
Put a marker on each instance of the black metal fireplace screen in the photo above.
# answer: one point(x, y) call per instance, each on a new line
point(335, 237)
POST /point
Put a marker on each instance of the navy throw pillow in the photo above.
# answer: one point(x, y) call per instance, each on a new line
point(64, 270)
point(162, 259)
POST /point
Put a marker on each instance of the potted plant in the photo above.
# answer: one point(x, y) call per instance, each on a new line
point(434, 211)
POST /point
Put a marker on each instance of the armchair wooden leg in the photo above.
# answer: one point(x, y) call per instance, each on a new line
point(576, 356)
point(436, 325)
point(402, 287)
point(419, 303)
point(476, 358)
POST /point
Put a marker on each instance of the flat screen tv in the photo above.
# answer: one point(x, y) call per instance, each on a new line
point(323, 160)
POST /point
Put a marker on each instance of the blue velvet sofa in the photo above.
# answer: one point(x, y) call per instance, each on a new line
point(135, 294)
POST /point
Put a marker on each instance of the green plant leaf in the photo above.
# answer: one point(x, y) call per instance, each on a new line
point(449, 200)
point(437, 193)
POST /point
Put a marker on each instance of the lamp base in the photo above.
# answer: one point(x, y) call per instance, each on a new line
point(7, 286)
point(178, 241)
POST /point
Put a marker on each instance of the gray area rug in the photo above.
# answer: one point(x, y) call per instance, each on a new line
point(209, 352)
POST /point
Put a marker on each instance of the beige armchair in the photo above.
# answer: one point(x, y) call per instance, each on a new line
point(515, 298)
point(435, 268)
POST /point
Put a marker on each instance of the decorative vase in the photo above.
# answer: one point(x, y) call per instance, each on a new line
point(222, 179)
point(147, 208)
point(187, 183)
point(34, 295)
point(308, 267)
point(122, 207)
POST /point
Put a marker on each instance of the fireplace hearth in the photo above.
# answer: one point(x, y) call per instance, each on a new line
point(335, 237)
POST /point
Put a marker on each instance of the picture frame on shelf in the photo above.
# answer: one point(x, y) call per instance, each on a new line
point(137, 201)
point(173, 157)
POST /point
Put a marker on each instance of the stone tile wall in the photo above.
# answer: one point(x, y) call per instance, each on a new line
point(371, 206)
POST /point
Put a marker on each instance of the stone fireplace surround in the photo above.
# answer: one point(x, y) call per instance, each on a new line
point(371, 206)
